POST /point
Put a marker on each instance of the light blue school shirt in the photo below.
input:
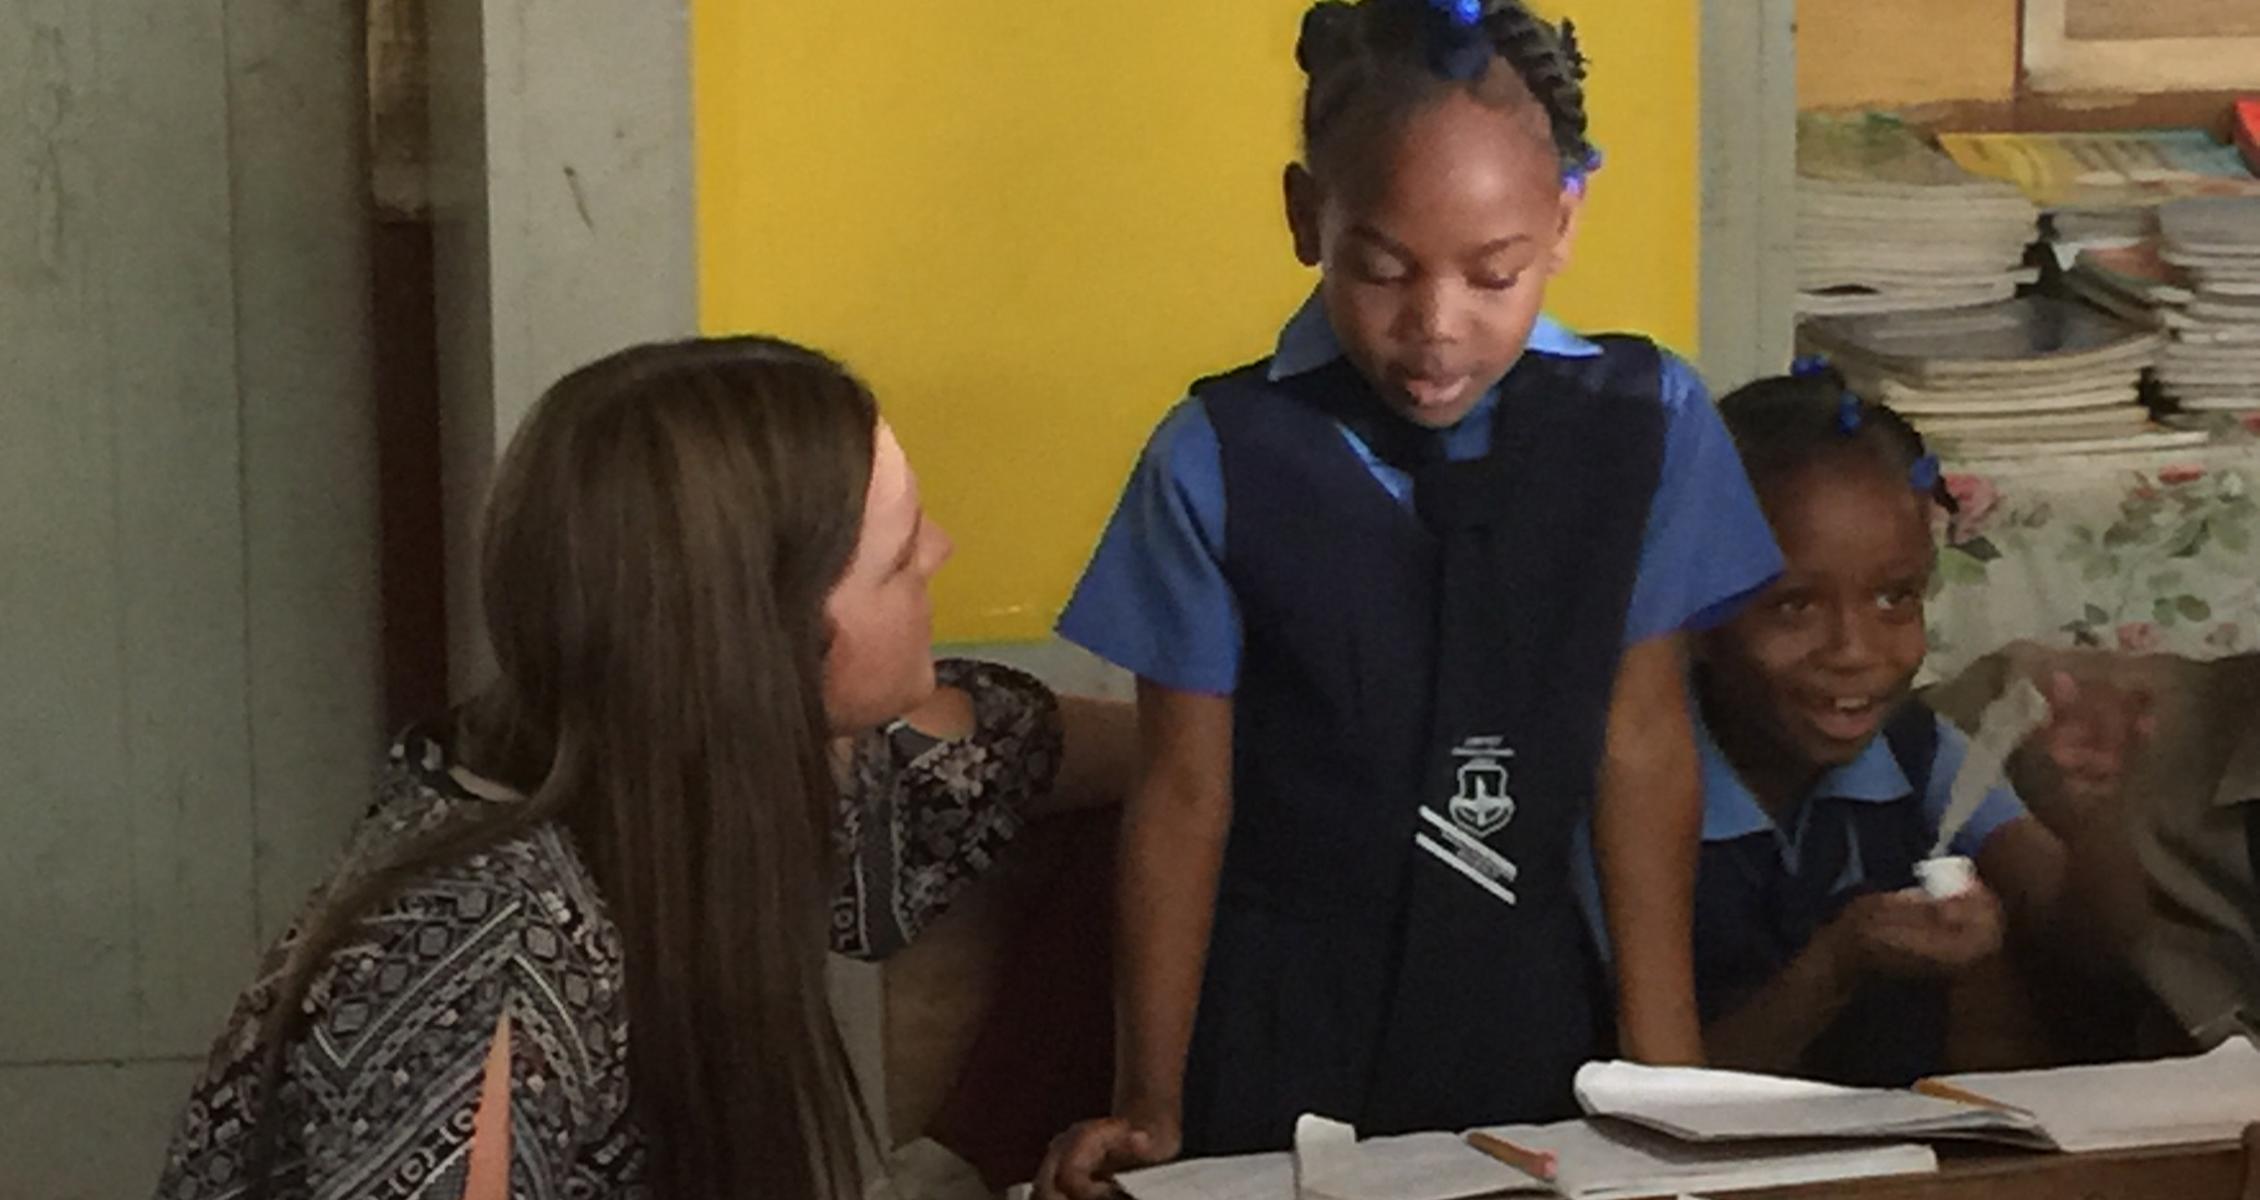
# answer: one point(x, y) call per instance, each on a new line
point(1156, 602)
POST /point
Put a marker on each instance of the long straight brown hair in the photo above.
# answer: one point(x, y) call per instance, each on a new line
point(657, 550)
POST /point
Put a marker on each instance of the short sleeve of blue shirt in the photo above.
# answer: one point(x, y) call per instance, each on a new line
point(1154, 600)
point(1999, 807)
point(1708, 547)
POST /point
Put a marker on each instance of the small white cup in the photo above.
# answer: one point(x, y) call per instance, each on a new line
point(1946, 877)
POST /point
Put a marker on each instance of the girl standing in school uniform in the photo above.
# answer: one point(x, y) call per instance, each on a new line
point(1405, 601)
point(1824, 782)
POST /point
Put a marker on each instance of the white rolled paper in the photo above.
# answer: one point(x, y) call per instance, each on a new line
point(1946, 877)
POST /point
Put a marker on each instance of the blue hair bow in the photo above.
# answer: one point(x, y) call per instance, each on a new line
point(1924, 475)
point(1576, 176)
point(1466, 14)
point(1850, 414)
point(1807, 365)
point(1458, 48)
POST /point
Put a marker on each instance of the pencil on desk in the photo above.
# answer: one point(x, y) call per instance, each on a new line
point(1538, 1164)
point(1947, 1091)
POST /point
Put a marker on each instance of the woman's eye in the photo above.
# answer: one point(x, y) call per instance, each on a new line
point(1497, 283)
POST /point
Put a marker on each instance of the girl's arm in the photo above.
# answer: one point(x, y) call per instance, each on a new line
point(1770, 1031)
point(2024, 863)
point(1173, 834)
point(1899, 934)
point(1647, 824)
point(1172, 850)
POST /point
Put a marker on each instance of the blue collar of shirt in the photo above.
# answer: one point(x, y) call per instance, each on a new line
point(1731, 811)
point(1308, 342)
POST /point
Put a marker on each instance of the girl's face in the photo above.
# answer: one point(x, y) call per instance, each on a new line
point(880, 662)
point(1436, 256)
point(1814, 665)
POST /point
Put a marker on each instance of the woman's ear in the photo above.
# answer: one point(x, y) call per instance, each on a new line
point(1305, 208)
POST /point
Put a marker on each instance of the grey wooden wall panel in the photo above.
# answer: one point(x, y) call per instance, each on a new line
point(566, 223)
point(187, 542)
point(461, 261)
point(96, 1132)
point(136, 893)
point(310, 522)
point(1749, 279)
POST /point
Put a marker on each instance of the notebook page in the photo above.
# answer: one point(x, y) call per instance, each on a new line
point(1605, 1160)
point(1416, 1166)
point(2174, 1101)
point(1704, 1105)
point(1243, 1177)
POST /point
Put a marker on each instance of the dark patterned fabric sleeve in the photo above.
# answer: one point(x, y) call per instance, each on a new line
point(921, 818)
point(382, 1081)
point(388, 1075)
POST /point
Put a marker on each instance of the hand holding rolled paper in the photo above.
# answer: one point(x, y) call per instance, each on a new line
point(1909, 935)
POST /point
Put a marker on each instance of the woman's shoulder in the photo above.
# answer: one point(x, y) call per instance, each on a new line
point(396, 1019)
point(530, 878)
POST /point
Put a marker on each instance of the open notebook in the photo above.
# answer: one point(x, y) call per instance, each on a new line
point(1591, 1160)
point(2170, 1102)
point(2173, 1101)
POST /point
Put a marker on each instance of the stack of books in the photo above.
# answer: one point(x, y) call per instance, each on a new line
point(1888, 223)
point(2025, 378)
point(2213, 361)
point(2198, 283)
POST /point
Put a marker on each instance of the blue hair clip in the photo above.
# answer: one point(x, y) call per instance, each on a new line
point(1576, 176)
point(1850, 414)
point(1458, 50)
point(1924, 474)
point(1805, 366)
point(1466, 14)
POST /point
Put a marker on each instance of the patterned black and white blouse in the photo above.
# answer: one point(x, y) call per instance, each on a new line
point(379, 1094)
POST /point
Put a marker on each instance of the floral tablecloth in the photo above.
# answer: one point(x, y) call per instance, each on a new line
point(2141, 553)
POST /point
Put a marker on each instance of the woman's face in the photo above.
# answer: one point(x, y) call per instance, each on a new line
point(880, 662)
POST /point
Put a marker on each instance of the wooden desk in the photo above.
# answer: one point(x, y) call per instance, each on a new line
point(2214, 1172)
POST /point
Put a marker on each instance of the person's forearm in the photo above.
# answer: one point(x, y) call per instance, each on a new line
point(1172, 851)
point(2024, 863)
point(1647, 833)
point(1770, 1031)
point(1173, 835)
point(1647, 846)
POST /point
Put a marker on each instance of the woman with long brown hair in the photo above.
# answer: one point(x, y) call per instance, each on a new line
point(577, 946)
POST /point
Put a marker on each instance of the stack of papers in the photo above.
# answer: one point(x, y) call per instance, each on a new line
point(2105, 172)
point(2213, 361)
point(2028, 378)
point(1591, 1160)
point(2210, 1097)
point(2120, 1106)
point(1704, 1105)
point(1887, 223)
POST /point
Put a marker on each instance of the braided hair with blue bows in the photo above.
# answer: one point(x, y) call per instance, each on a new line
point(1785, 423)
point(1373, 62)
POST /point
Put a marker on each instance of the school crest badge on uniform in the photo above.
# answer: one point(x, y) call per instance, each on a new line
point(1482, 804)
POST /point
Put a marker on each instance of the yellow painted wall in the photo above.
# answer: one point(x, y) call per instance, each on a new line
point(1029, 225)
